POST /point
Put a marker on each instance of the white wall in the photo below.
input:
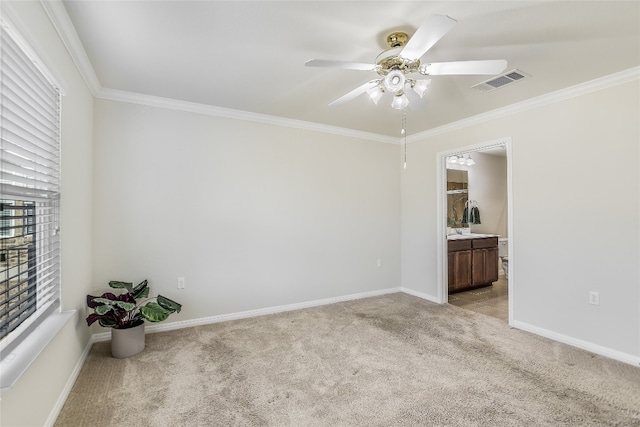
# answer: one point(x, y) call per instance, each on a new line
point(252, 215)
point(575, 223)
point(35, 396)
point(488, 186)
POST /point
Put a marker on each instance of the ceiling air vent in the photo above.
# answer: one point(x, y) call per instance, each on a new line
point(501, 80)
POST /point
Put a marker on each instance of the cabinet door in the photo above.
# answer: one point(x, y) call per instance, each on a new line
point(459, 270)
point(491, 265)
point(485, 266)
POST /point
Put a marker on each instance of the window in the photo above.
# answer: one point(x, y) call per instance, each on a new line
point(6, 222)
point(18, 285)
point(29, 193)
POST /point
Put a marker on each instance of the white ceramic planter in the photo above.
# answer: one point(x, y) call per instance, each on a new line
point(127, 342)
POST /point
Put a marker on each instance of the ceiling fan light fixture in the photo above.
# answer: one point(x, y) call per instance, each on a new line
point(421, 86)
point(375, 94)
point(400, 102)
point(394, 81)
point(396, 65)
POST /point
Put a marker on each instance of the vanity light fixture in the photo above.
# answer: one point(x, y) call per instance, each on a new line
point(464, 159)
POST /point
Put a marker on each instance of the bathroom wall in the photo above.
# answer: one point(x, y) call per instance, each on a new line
point(488, 186)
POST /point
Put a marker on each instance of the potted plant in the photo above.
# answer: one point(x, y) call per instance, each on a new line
point(125, 315)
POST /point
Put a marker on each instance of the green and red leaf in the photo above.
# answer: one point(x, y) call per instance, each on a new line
point(153, 312)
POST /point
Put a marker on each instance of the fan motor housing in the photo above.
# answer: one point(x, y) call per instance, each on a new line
point(390, 59)
point(397, 39)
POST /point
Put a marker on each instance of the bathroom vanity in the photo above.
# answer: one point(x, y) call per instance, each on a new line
point(473, 261)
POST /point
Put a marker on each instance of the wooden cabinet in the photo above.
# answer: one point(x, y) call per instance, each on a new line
point(473, 263)
point(460, 263)
point(485, 266)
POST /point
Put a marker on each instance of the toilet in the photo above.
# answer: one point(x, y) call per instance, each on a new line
point(503, 253)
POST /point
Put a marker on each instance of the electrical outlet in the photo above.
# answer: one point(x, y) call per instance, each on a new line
point(594, 298)
point(180, 282)
point(379, 263)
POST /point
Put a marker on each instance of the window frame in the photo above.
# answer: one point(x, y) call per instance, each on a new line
point(19, 348)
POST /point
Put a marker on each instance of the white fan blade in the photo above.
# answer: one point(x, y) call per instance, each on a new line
point(357, 91)
point(491, 66)
point(323, 63)
point(428, 33)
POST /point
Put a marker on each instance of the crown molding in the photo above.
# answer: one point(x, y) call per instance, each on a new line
point(210, 110)
point(62, 23)
point(611, 80)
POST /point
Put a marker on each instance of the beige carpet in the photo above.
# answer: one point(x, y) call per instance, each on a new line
point(394, 360)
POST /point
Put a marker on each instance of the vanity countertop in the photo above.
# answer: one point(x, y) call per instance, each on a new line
point(470, 236)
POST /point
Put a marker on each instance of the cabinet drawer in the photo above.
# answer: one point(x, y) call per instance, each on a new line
point(460, 245)
point(491, 242)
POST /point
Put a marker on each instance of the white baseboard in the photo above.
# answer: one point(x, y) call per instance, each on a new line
point(565, 339)
point(420, 295)
point(574, 342)
point(170, 326)
point(51, 420)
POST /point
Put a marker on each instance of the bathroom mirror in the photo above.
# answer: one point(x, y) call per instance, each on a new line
point(457, 196)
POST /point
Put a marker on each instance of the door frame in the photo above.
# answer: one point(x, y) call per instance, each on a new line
point(441, 204)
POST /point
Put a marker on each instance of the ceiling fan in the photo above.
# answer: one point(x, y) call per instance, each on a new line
point(403, 58)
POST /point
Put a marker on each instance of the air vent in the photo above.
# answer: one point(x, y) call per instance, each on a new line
point(501, 80)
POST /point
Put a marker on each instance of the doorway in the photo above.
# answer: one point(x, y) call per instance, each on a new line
point(486, 187)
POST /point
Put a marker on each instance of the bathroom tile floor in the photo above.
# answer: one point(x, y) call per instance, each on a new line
point(491, 300)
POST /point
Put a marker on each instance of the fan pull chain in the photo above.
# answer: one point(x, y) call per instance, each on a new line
point(404, 134)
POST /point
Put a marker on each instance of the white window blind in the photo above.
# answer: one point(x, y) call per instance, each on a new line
point(29, 192)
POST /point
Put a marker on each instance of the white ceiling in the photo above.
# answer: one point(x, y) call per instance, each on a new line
point(250, 56)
